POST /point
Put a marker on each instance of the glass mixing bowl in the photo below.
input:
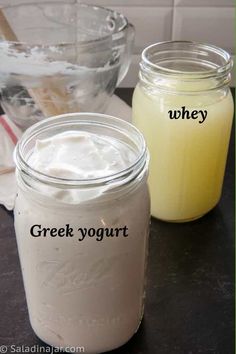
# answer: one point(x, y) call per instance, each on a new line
point(60, 57)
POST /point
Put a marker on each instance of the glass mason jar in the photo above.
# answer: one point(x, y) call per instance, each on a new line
point(60, 57)
point(183, 106)
point(89, 293)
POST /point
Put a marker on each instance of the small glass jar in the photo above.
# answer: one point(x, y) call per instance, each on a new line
point(91, 293)
point(183, 106)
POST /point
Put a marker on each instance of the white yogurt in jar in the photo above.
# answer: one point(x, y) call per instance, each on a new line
point(80, 155)
point(82, 292)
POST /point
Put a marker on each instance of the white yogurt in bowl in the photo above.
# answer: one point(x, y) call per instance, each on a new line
point(81, 221)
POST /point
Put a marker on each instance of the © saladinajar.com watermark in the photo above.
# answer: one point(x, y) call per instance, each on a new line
point(39, 349)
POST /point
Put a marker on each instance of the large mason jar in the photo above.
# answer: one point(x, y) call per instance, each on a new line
point(183, 106)
point(83, 242)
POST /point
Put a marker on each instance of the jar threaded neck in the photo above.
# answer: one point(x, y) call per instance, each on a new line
point(165, 64)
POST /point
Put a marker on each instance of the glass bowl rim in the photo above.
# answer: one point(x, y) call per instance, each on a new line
point(114, 35)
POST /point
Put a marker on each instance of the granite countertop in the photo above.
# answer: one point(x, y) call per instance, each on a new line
point(190, 289)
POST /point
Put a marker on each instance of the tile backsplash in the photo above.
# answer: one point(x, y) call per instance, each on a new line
point(210, 21)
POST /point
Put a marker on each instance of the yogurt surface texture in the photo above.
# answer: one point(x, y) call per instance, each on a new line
point(80, 155)
point(83, 293)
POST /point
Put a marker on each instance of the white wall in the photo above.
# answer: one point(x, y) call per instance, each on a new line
point(209, 21)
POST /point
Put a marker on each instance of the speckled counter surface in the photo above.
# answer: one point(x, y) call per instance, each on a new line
point(190, 291)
